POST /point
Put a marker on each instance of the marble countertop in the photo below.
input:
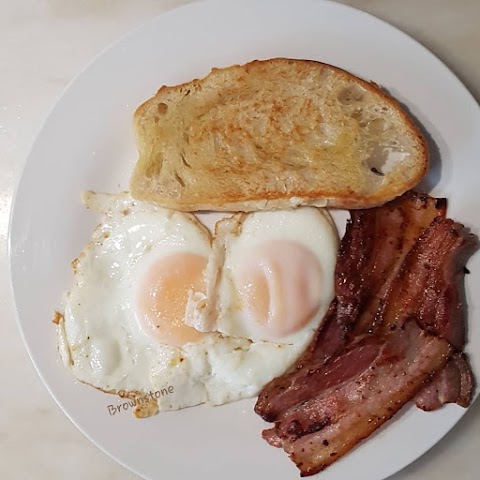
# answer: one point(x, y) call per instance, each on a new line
point(44, 44)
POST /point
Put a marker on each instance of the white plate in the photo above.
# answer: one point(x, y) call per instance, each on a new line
point(86, 143)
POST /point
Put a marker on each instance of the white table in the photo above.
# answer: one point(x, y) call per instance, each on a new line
point(43, 45)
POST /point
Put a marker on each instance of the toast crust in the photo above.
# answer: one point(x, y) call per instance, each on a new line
point(275, 134)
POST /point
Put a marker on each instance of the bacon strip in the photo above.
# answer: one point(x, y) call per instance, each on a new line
point(398, 226)
point(371, 252)
point(454, 384)
point(352, 413)
point(323, 377)
point(429, 285)
point(396, 320)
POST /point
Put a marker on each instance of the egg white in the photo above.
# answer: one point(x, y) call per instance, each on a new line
point(101, 342)
point(220, 307)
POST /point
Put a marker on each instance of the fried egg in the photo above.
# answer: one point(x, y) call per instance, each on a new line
point(270, 276)
point(123, 327)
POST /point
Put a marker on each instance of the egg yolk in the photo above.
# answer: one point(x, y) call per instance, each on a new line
point(162, 295)
point(279, 285)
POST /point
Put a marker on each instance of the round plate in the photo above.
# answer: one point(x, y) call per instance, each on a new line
point(87, 143)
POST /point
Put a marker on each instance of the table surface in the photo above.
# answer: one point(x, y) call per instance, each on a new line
point(44, 44)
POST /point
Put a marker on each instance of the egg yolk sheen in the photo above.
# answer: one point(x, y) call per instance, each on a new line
point(280, 285)
point(162, 295)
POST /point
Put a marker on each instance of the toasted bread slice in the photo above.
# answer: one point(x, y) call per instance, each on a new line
point(275, 134)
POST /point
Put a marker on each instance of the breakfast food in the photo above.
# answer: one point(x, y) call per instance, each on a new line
point(394, 331)
point(454, 384)
point(275, 134)
point(123, 328)
point(170, 315)
point(270, 276)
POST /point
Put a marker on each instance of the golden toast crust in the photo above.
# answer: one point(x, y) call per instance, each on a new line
point(275, 134)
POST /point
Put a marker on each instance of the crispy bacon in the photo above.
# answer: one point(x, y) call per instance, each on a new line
point(407, 359)
point(398, 226)
point(429, 285)
point(323, 377)
point(395, 322)
point(371, 252)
